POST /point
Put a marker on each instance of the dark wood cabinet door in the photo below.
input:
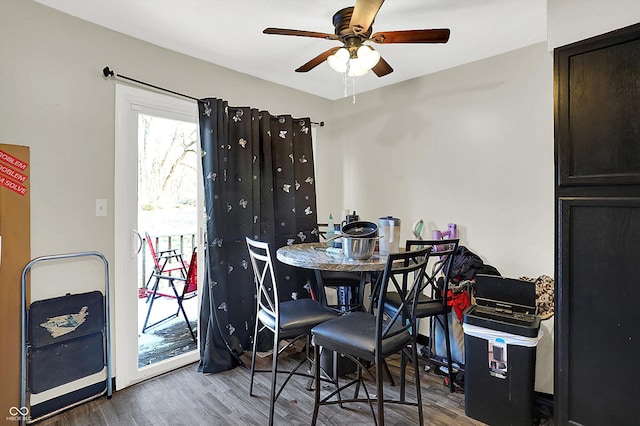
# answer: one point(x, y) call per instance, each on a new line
point(597, 132)
point(598, 110)
point(598, 331)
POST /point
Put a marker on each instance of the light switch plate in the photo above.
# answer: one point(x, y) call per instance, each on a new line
point(101, 207)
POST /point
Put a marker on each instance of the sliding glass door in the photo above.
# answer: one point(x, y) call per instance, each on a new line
point(157, 195)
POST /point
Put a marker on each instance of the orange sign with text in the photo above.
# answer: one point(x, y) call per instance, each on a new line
point(11, 178)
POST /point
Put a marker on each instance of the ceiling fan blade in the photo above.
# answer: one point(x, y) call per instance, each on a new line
point(299, 33)
point(412, 36)
point(317, 60)
point(364, 12)
point(382, 68)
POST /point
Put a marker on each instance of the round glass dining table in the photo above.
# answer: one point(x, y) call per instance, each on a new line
point(315, 256)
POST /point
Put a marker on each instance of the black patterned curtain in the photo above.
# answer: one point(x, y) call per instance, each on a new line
point(259, 182)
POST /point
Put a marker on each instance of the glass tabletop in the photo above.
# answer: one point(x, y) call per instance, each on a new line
point(316, 256)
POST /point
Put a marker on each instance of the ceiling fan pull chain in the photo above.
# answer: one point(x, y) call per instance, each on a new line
point(353, 89)
point(345, 80)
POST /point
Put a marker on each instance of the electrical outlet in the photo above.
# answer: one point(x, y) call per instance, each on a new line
point(101, 207)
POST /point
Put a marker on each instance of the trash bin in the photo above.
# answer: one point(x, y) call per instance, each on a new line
point(501, 333)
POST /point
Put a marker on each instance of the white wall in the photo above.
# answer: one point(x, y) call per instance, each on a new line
point(471, 145)
point(569, 21)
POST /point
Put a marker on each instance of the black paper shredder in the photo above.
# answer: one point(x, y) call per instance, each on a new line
point(500, 339)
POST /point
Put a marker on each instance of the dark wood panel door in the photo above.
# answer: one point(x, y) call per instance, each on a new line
point(598, 321)
point(597, 132)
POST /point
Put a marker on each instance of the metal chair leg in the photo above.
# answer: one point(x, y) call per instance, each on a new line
point(253, 358)
point(403, 370)
point(152, 298)
point(274, 377)
point(316, 399)
point(445, 326)
point(414, 350)
point(380, 392)
point(184, 313)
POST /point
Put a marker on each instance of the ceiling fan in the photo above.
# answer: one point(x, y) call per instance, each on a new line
point(353, 28)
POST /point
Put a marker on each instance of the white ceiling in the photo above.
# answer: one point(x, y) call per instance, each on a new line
point(229, 33)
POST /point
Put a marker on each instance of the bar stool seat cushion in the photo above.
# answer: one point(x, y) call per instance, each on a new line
point(297, 317)
point(355, 334)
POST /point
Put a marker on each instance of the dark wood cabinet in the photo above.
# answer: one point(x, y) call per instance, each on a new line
point(597, 140)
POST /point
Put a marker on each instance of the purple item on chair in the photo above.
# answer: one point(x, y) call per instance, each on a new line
point(450, 234)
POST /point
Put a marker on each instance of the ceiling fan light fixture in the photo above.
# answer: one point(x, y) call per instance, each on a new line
point(361, 63)
point(339, 60)
point(356, 68)
point(368, 57)
point(353, 27)
point(365, 59)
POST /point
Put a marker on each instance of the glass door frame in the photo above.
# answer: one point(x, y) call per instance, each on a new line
point(130, 102)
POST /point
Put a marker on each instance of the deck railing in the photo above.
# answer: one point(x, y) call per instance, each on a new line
point(182, 243)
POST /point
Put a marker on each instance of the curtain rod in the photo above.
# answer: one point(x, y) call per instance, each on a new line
point(107, 73)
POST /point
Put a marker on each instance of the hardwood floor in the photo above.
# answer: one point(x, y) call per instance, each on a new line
point(187, 397)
